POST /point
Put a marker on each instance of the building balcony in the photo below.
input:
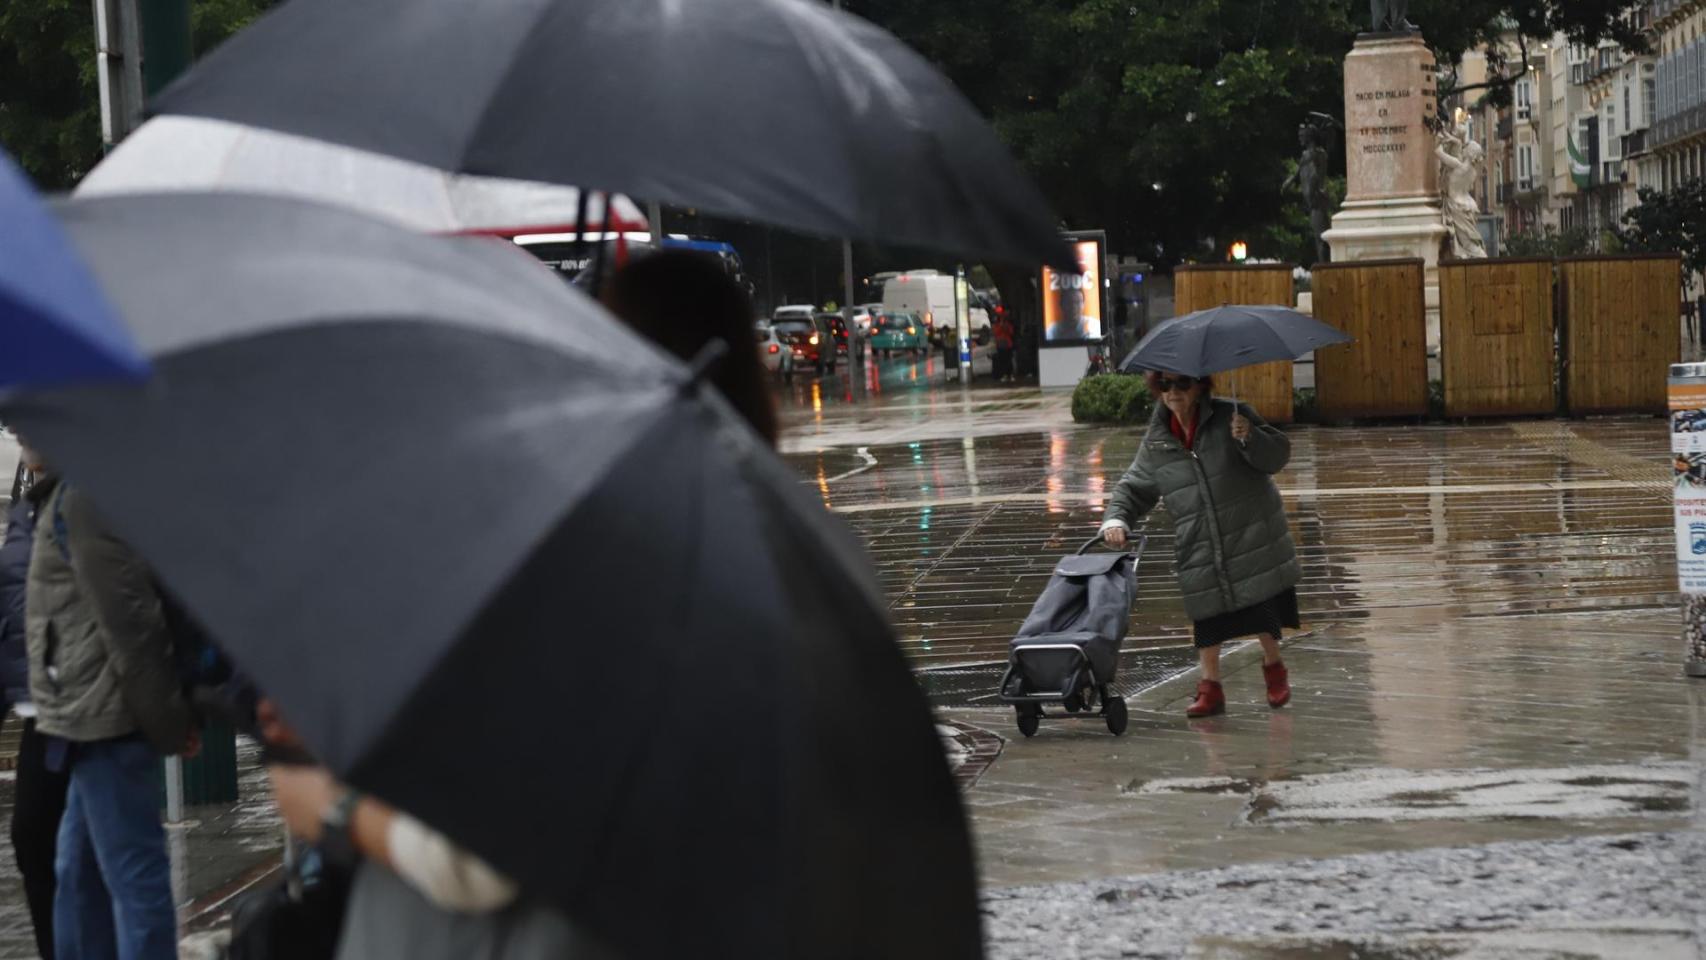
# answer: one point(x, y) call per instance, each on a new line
point(1635, 144)
point(1678, 126)
point(1659, 11)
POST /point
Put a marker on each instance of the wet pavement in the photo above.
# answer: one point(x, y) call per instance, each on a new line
point(1491, 654)
point(1491, 751)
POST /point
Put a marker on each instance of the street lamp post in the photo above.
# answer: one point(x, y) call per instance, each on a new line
point(118, 67)
point(855, 349)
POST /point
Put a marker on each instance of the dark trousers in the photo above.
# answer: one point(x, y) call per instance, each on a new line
point(40, 801)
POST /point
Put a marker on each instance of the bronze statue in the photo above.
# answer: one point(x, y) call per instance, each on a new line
point(1390, 16)
point(1311, 180)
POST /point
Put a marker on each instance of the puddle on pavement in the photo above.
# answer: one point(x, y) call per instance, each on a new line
point(1392, 796)
point(1476, 523)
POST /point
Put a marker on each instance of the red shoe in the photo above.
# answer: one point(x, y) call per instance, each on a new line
point(1210, 701)
point(1279, 685)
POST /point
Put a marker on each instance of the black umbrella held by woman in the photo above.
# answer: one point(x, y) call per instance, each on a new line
point(777, 111)
point(508, 567)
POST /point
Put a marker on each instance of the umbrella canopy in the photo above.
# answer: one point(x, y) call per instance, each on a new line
point(56, 326)
point(198, 154)
point(776, 111)
point(508, 567)
point(1228, 337)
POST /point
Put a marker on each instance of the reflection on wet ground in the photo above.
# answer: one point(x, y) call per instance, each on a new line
point(1471, 521)
point(904, 399)
point(1486, 605)
point(1491, 654)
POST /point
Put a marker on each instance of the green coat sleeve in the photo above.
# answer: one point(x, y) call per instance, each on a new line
point(1134, 496)
point(133, 624)
point(1268, 449)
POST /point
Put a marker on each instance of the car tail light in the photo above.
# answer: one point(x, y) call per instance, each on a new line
point(775, 349)
point(814, 338)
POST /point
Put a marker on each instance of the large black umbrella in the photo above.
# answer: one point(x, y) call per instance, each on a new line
point(1228, 337)
point(780, 111)
point(508, 567)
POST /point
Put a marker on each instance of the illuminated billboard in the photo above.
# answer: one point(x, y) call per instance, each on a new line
point(1073, 304)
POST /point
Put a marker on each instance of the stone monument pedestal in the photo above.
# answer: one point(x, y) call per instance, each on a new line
point(1392, 204)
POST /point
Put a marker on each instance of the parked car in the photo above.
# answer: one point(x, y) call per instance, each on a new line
point(808, 339)
point(777, 358)
point(896, 330)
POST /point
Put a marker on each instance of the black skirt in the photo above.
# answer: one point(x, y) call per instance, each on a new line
point(1269, 617)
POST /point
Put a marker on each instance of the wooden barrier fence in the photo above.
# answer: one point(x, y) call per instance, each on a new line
point(1265, 387)
point(1496, 337)
point(1384, 372)
point(1620, 331)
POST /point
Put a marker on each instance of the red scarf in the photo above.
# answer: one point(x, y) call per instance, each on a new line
point(1187, 434)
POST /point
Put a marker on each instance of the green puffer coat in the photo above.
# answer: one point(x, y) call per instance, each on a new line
point(1233, 545)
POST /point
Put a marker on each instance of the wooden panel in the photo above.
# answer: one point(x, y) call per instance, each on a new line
point(1384, 373)
point(1266, 386)
point(1620, 331)
point(1496, 333)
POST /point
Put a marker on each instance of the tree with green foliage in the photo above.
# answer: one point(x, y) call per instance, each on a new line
point(1172, 124)
point(1672, 221)
point(1549, 241)
point(50, 112)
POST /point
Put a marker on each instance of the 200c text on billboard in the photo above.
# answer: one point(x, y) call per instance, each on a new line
point(1072, 302)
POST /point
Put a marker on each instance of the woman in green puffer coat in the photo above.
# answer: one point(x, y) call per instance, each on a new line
point(1212, 463)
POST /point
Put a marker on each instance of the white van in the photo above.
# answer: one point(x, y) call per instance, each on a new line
point(930, 294)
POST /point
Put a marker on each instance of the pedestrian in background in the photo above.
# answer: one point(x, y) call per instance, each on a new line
point(1006, 339)
point(1212, 462)
point(109, 703)
point(1700, 318)
point(38, 797)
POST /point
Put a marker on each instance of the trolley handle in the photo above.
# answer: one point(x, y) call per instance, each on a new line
point(1134, 536)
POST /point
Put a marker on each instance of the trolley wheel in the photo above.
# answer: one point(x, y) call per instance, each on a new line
point(1029, 719)
point(1113, 708)
point(1073, 703)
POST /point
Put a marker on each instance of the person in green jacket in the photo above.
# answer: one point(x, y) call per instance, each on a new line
point(1212, 463)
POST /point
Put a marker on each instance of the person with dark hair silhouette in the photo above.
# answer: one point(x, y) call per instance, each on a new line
point(682, 300)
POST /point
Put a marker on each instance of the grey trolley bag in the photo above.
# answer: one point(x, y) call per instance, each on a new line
point(1068, 650)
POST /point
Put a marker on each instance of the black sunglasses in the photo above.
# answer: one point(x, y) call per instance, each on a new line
point(1182, 384)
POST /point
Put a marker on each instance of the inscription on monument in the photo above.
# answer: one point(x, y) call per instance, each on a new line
point(1389, 113)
